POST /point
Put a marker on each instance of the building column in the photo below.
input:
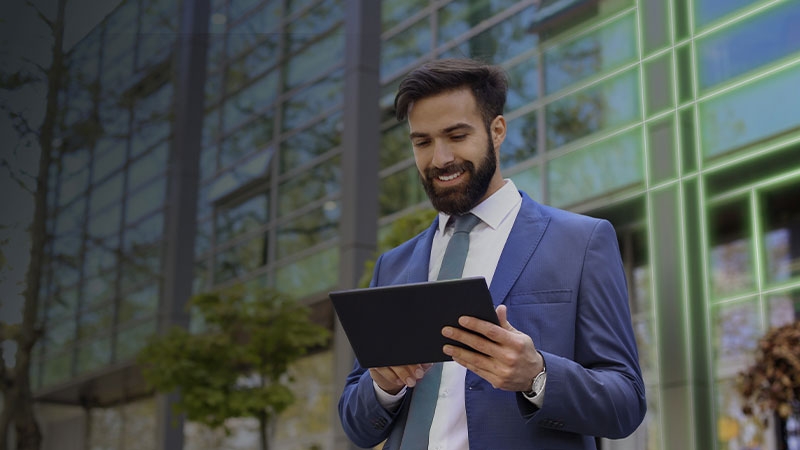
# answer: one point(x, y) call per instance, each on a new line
point(360, 143)
point(189, 65)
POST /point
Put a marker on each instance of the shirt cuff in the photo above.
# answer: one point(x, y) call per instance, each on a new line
point(537, 400)
point(387, 400)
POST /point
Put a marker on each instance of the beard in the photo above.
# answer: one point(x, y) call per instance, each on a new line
point(458, 200)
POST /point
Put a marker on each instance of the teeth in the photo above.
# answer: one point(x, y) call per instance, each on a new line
point(450, 177)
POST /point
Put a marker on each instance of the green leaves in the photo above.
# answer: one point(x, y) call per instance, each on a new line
point(237, 366)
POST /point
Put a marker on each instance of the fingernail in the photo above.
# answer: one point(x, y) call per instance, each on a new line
point(419, 373)
point(447, 350)
point(447, 332)
point(410, 382)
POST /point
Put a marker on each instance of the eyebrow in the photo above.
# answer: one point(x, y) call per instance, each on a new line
point(456, 127)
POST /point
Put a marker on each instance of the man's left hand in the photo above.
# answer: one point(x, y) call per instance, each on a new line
point(508, 358)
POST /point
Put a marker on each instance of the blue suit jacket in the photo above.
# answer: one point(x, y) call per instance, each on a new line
point(561, 277)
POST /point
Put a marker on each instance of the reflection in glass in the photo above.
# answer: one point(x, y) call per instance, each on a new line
point(460, 16)
point(315, 59)
point(139, 304)
point(591, 54)
point(250, 101)
point(263, 56)
point(308, 419)
point(746, 46)
point(783, 308)
point(131, 426)
point(521, 140)
point(240, 258)
point(145, 200)
point(736, 328)
point(317, 182)
point(316, 273)
point(399, 191)
point(608, 105)
point(94, 355)
point(395, 146)
point(311, 142)
point(405, 47)
point(239, 219)
point(731, 257)
point(308, 230)
point(313, 100)
point(735, 430)
point(501, 42)
point(57, 367)
point(314, 23)
point(392, 13)
point(709, 10)
point(250, 138)
point(781, 214)
point(130, 340)
point(523, 84)
point(248, 33)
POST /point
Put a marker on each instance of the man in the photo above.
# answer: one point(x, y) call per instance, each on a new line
point(562, 367)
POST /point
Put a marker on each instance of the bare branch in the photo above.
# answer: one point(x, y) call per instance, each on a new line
point(41, 68)
point(15, 177)
point(50, 24)
point(16, 80)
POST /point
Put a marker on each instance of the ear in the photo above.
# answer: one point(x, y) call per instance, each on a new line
point(498, 130)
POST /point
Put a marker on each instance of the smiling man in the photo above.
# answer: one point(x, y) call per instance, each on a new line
point(562, 367)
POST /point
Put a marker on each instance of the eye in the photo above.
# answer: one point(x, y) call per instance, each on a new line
point(458, 137)
point(421, 143)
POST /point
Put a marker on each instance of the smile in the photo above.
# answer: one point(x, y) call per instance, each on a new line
point(450, 177)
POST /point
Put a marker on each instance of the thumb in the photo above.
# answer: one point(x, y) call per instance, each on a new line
point(502, 317)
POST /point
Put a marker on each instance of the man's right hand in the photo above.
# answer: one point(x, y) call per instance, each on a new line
point(392, 379)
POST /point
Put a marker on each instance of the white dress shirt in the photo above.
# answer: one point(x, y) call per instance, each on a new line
point(487, 239)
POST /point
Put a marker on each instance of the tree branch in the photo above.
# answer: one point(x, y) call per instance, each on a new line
point(4, 163)
point(50, 24)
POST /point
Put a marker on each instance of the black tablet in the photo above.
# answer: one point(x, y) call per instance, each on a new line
point(402, 324)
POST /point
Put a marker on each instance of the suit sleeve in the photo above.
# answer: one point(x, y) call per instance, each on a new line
point(600, 392)
point(363, 419)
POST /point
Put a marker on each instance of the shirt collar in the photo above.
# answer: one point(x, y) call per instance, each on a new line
point(494, 209)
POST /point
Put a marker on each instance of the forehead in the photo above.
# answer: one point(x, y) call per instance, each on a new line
point(442, 110)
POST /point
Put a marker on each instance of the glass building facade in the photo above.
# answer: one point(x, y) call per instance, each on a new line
point(678, 120)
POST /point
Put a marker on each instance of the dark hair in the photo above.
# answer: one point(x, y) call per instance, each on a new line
point(488, 84)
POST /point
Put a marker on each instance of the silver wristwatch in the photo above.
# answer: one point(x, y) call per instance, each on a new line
point(536, 385)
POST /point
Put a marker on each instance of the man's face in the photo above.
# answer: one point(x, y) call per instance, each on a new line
point(454, 152)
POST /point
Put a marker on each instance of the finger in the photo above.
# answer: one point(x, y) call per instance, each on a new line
point(472, 340)
point(484, 328)
point(502, 317)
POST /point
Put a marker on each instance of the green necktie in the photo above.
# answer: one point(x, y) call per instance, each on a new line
point(426, 393)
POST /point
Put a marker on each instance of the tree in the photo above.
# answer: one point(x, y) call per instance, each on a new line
point(15, 383)
point(237, 366)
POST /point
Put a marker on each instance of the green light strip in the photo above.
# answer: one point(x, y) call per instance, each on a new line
point(726, 23)
point(778, 179)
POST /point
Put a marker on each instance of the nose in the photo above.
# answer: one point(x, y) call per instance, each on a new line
point(442, 155)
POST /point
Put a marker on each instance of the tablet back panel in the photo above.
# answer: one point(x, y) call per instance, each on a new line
point(402, 324)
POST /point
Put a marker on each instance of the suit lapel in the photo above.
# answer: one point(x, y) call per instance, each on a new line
point(421, 257)
point(525, 235)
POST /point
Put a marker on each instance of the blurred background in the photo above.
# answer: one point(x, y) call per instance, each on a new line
point(204, 144)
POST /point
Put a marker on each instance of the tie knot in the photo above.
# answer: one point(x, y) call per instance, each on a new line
point(465, 223)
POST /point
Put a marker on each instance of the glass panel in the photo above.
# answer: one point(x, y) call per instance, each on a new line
point(784, 308)
point(311, 142)
point(735, 430)
point(106, 193)
point(745, 46)
point(254, 136)
point(317, 182)
point(315, 59)
point(314, 23)
point(94, 355)
point(95, 321)
point(59, 335)
point(146, 200)
point(106, 223)
point(250, 101)
point(203, 237)
point(395, 146)
point(610, 104)
point(141, 264)
point(110, 161)
point(98, 289)
point(780, 211)
point(521, 140)
point(148, 231)
point(74, 186)
point(500, 42)
point(392, 13)
point(731, 249)
point(316, 273)
point(756, 111)
point(257, 25)
point(405, 47)
point(63, 304)
point(313, 100)
point(591, 54)
point(737, 328)
point(70, 220)
point(460, 16)
point(601, 168)
point(262, 57)
point(523, 84)
point(57, 368)
point(706, 11)
point(400, 190)
point(131, 340)
point(139, 304)
point(239, 219)
point(309, 229)
point(148, 166)
point(240, 259)
point(101, 256)
point(530, 182)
